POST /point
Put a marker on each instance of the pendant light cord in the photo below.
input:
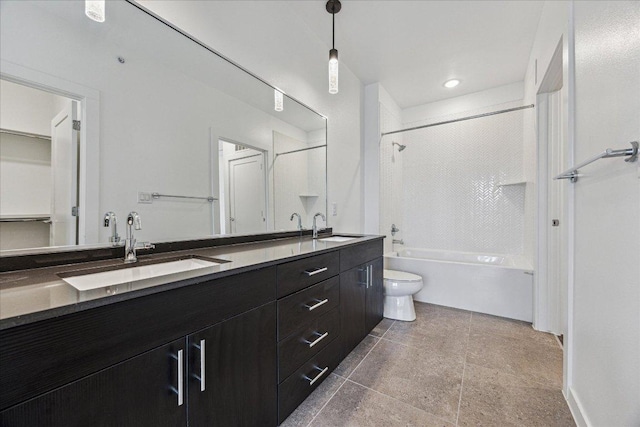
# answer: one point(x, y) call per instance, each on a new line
point(333, 31)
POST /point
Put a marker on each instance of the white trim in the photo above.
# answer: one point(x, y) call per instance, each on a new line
point(569, 74)
point(89, 219)
point(577, 410)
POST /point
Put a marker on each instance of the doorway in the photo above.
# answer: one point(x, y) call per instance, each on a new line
point(39, 163)
point(550, 311)
point(243, 189)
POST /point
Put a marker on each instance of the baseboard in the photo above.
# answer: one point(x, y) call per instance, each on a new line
point(577, 410)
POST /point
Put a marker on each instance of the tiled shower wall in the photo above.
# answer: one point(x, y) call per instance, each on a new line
point(391, 177)
point(446, 190)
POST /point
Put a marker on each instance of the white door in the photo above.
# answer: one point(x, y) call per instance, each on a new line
point(64, 177)
point(556, 220)
point(247, 195)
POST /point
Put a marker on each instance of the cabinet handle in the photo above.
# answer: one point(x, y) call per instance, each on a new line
point(202, 361)
point(313, 307)
point(317, 377)
point(180, 379)
point(320, 338)
point(370, 281)
point(316, 271)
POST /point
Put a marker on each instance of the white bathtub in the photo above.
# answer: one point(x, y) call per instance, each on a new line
point(501, 285)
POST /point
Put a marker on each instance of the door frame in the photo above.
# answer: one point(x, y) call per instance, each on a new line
point(89, 156)
point(561, 66)
point(216, 175)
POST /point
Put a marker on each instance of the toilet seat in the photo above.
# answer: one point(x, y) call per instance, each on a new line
point(401, 276)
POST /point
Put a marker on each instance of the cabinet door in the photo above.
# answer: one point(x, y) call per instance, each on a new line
point(141, 391)
point(375, 295)
point(353, 286)
point(235, 383)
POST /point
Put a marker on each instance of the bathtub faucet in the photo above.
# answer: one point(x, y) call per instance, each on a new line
point(399, 242)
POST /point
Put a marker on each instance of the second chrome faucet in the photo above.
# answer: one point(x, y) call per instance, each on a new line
point(130, 243)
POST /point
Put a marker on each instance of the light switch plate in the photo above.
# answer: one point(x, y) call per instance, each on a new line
point(144, 197)
point(334, 209)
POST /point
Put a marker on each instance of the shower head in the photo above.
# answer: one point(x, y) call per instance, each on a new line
point(400, 146)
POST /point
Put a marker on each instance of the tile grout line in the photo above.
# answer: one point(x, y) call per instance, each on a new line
point(464, 367)
point(347, 378)
point(369, 352)
point(327, 402)
point(398, 400)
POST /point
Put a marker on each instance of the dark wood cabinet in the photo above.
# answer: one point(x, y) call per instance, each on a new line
point(362, 299)
point(241, 350)
point(240, 383)
point(235, 384)
point(142, 391)
point(375, 295)
point(353, 290)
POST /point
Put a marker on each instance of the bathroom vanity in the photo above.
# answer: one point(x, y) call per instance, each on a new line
point(241, 343)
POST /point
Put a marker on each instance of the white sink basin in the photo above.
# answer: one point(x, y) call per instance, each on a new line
point(86, 282)
point(337, 239)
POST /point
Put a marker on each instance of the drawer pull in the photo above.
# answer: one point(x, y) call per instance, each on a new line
point(317, 377)
point(318, 304)
point(179, 390)
point(202, 362)
point(320, 338)
point(316, 271)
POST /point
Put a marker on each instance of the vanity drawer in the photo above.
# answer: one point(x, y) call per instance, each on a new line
point(353, 256)
point(299, 274)
point(304, 306)
point(307, 341)
point(306, 379)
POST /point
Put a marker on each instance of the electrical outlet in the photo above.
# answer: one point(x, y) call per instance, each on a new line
point(334, 209)
point(144, 197)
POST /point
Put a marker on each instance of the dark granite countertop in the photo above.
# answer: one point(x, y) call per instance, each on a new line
point(32, 295)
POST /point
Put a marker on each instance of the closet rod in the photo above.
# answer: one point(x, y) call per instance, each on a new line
point(477, 116)
point(27, 134)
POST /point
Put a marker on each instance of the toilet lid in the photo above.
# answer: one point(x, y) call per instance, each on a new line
point(401, 276)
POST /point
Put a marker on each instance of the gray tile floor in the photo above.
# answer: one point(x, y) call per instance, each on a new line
point(448, 368)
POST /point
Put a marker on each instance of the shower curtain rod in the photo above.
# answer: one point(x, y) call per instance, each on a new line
point(297, 151)
point(477, 116)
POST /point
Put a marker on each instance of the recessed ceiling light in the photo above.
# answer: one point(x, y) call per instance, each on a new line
point(451, 83)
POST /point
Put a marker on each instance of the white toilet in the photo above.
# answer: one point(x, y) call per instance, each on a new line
point(398, 288)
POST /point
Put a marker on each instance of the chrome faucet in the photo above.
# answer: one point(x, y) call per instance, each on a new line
point(133, 221)
point(299, 220)
point(110, 219)
point(315, 227)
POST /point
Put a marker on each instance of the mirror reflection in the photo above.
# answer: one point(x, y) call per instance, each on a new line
point(131, 115)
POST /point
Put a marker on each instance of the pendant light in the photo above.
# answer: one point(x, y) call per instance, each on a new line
point(94, 9)
point(278, 100)
point(333, 7)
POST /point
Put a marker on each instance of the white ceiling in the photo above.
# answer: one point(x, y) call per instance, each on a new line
point(413, 47)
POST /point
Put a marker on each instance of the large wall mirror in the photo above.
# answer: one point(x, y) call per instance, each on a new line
point(135, 115)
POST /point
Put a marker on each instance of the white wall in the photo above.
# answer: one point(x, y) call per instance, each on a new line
point(147, 141)
point(240, 31)
point(606, 313)
point(454, 197)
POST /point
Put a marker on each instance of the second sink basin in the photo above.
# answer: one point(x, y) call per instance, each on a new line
point(337, 239)
point(85, 281)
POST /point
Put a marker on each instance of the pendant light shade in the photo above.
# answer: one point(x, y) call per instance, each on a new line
point(333, 71)
point(333, 7)
point(278, 100)
point(95, 9)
